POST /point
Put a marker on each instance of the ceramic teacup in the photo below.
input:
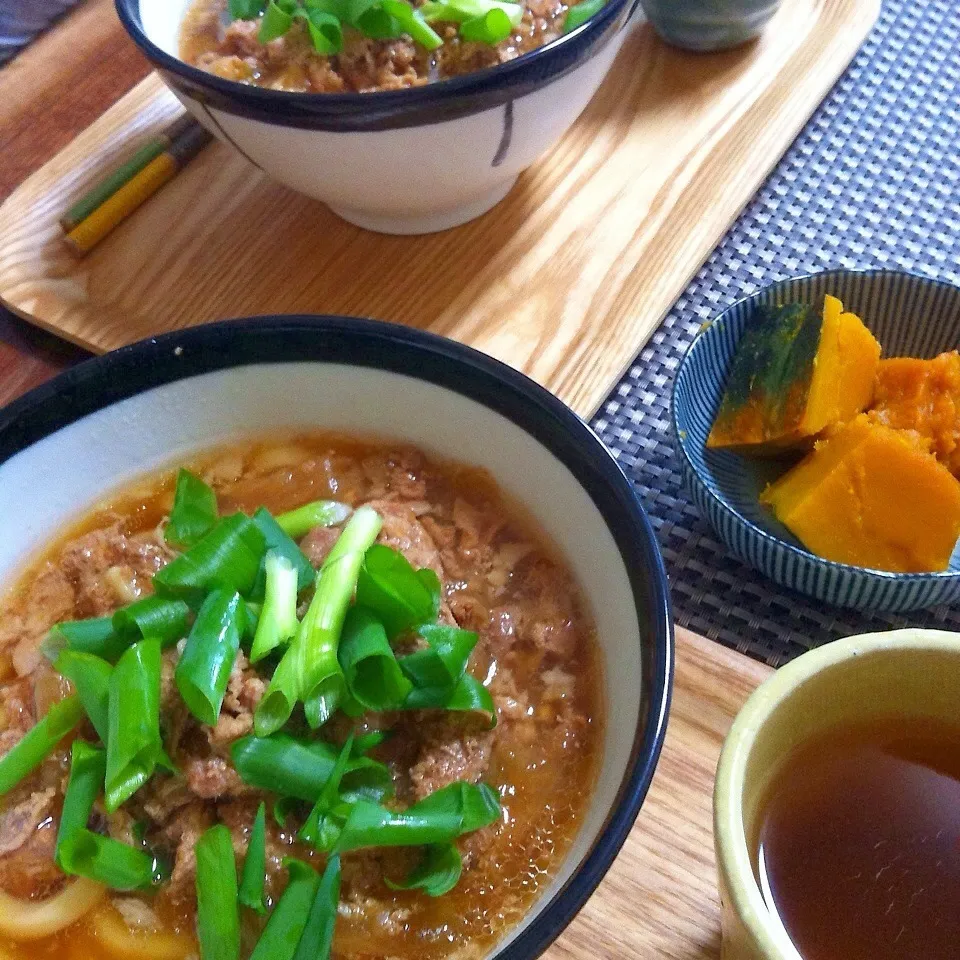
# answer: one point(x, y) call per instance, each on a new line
point(902, 672)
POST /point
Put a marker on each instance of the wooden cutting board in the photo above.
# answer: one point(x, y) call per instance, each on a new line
point(566, 279)
point(659, 901)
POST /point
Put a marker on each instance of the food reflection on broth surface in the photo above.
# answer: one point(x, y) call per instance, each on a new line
point(506, 797)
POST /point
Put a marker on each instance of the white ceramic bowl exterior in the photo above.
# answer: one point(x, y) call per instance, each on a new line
point(63, 474)
point(409, 179)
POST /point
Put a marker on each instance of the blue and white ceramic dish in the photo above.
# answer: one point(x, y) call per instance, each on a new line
point(397, 161)
point(910, 316)
point(69, 443)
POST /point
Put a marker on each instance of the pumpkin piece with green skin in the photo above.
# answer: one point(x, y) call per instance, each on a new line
point(795, 373)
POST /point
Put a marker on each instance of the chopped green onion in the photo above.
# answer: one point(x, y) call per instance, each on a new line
point(317, 829)
point(283, 807)
point(91, 677)
point(493, 27)
point(326, 34)
point(320, 513)
point(367, 741)
point(276, 22)
point(445, 662)
point(194, 510)
point(84, 853)
point(158, 617)
point(443, 816)
point(460, 11)
point(436, 874)
point(301, 768)
point(373, 676)
point(289, 917)
point(218, 914)
point(88, 765)
point(246, 9)
point(255, 864)
point(377, 24)
point(581, 13)
point(317, 937)
point(468, 696)
point(399, 595)
point(95, 636)
point(228, 558)
point(278, 618)
point(279, 542)
point(39, 742)
point(412, 23)
point(309, 670)
point(133, 738)
point(204, 668)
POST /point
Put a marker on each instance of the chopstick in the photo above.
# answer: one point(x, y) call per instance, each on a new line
point(109, 202)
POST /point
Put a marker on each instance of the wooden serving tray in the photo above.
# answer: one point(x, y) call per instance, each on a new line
point(659, 901)
point(566, 279)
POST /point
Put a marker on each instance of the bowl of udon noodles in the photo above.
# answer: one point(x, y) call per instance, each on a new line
point(319, 637)
point(403, 117)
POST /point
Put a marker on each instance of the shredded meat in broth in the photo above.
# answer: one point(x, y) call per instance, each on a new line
point(536, 655)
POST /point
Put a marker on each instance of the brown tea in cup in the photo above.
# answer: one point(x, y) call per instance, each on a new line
point(857, 844)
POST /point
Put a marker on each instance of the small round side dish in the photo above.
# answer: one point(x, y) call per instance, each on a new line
point(409, 161)
point(73, 441)
point(910, 316)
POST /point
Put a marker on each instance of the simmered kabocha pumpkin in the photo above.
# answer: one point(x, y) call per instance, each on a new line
point(923, 395)
point(871, 496)
point(795, 372)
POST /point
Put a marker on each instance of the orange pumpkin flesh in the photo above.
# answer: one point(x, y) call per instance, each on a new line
point(873, 497)
point(923, 395)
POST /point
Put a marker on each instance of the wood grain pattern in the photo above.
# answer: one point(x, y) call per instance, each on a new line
point(659, 900)
point(566, 279)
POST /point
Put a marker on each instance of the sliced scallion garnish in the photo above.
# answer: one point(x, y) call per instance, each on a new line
point(437, 872)
point(84, 853)
point(218, 914)
point(320, 513)
point(277, 624)
point(310, 670)
point(204, 668)
point(194, 511)
point(374, 678)
point(255, 864)
point(133, 736)
point(581, 13)
point(91, 677)
point(95, 636)
point(88, 765)
point(399, 595)
point(163, 619)
point(301, 768)
point(289, 917)
point(39, 742)
point(317, 937)
point(228, 557)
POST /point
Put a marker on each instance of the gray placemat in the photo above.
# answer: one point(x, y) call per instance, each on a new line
point(872, 181)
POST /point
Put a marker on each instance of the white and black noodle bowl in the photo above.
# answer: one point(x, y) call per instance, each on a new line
point(70, 443)
point(398, 161)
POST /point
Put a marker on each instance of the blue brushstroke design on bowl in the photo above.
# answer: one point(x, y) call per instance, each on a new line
point(911, 316)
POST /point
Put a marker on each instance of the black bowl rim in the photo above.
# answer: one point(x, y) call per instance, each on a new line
point(103, 381)
point(845, 568)
point(387, 109)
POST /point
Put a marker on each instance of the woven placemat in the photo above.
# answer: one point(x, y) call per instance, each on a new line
point(872, 181)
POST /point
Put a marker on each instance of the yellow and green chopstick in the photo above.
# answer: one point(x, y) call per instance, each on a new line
point(124, 190)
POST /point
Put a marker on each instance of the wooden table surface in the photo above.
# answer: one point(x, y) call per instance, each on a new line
point(48, 94)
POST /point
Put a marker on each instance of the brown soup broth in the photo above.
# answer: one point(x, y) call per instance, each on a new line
point(858, 842)
point(501, 577)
